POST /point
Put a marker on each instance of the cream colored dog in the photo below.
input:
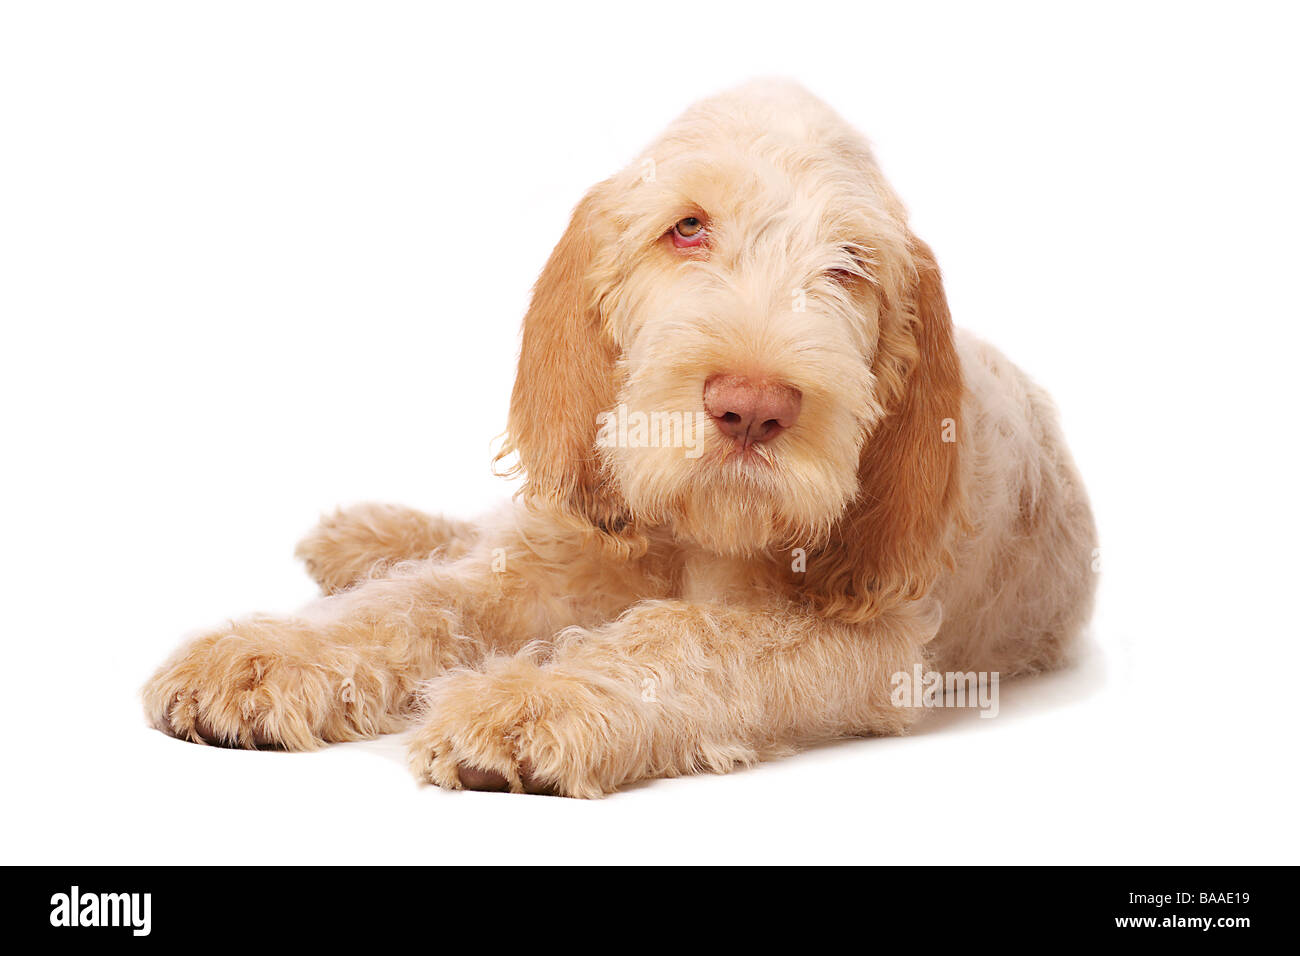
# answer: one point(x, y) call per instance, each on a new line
point(868, 493)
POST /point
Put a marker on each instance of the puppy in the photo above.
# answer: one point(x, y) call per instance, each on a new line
point(762, 478)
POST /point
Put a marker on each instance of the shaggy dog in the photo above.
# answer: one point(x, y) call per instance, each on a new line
point(763, 476)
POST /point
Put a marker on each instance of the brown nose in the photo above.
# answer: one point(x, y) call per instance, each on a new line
point(750, 411)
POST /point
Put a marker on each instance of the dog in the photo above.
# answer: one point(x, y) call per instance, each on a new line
point(762, 477)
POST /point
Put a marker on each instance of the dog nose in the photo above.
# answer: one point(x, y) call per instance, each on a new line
point(751, 411)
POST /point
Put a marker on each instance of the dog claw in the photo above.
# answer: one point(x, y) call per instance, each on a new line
point(532, 784)
point(472, 778)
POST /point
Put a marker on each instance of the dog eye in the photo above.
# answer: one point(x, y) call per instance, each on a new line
point(688, 232)
point(848, 274)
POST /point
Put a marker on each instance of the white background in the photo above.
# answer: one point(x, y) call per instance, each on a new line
point(258, 259)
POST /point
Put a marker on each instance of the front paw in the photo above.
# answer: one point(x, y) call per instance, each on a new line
point(261, 682)
point(519, 727)
point(344, 549)
point(365, 541)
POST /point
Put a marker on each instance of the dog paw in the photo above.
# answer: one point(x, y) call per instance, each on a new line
point(344, 549)
point(364, 541)
point(519, 727)
point(250, 686)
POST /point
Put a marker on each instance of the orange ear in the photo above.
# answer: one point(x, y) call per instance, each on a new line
point(895, 539)
point(565, 379)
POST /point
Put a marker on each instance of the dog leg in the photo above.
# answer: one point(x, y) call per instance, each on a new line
point(669, 688)
point(365, 541)
point(346, 667)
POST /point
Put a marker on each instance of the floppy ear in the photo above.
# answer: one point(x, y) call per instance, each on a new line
point(896, 537)
point(565, 379)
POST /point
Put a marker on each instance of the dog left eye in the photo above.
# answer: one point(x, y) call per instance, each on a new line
point(688, 232)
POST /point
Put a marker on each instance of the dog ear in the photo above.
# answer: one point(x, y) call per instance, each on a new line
point(565, 379)
point(895, 539)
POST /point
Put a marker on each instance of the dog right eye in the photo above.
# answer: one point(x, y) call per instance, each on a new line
point(688, 232)
point(848, 275)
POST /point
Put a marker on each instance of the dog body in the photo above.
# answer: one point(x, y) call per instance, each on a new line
point(822, 486)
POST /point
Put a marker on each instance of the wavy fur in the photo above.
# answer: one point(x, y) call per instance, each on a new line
point(644, 612)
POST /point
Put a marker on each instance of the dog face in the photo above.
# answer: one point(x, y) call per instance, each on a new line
point(738, 340)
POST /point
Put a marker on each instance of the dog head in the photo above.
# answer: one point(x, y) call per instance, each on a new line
point(739, 340)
